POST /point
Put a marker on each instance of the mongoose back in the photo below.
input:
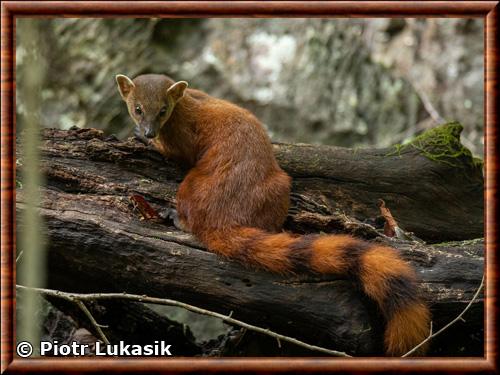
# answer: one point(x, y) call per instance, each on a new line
point(235, 199)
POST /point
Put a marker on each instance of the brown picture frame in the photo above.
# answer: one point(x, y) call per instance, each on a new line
point(10, 10)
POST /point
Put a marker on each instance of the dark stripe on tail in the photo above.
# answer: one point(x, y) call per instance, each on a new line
point(402, 291)
point(245, 252)
point(301, 252)
point(352, 253)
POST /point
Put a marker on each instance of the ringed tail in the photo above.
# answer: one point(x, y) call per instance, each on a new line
point(382, 274)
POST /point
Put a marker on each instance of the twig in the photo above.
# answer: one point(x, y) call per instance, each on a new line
point(97, 326)
point(459, 317)
point(279, 342)
point(170, 302)
point(72, 298)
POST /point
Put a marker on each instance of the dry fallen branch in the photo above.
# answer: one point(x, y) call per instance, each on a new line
point(96, 325)
point(459, 317)
point(80, 297)
point(74, 299)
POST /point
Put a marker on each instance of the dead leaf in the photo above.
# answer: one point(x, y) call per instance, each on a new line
point(141, 204)
point(390, 225)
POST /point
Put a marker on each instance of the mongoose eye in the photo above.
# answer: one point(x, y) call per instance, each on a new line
point(138, 110)
point(163, 111)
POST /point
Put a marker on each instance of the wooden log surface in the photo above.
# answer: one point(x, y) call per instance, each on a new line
point(97, 243)
point(433, 188)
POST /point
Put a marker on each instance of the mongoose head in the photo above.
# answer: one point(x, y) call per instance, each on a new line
point(150, 99)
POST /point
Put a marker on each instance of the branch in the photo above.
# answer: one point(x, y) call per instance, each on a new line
point(97, 326)
point(72, 298)
point(79, 298)
point(459, 317)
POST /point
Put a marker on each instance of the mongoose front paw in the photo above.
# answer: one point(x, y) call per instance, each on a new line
point(170, 215)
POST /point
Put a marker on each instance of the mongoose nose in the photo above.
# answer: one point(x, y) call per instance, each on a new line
point(150, 133)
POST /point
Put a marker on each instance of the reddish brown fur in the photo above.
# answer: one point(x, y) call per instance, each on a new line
point(265, 250)
point(378, 265)
point(407, 327)
point(235, 195)
point(328, 255)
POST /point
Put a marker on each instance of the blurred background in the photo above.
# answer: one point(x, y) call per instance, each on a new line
point(345, 82)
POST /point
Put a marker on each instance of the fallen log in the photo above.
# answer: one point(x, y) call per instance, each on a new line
point(97, 242)
point(433, 185)
point(94, 246)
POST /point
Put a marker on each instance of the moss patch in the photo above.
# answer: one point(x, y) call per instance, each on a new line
point(442, 144)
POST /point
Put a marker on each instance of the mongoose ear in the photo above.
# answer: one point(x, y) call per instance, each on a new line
point(176, 91)
point(125, 85)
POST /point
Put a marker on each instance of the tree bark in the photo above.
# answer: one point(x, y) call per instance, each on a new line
point(433, 187)
point(97, 242)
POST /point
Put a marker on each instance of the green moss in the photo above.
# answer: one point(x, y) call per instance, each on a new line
point(398, 148)
point(478, 162)
point(442, 144)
